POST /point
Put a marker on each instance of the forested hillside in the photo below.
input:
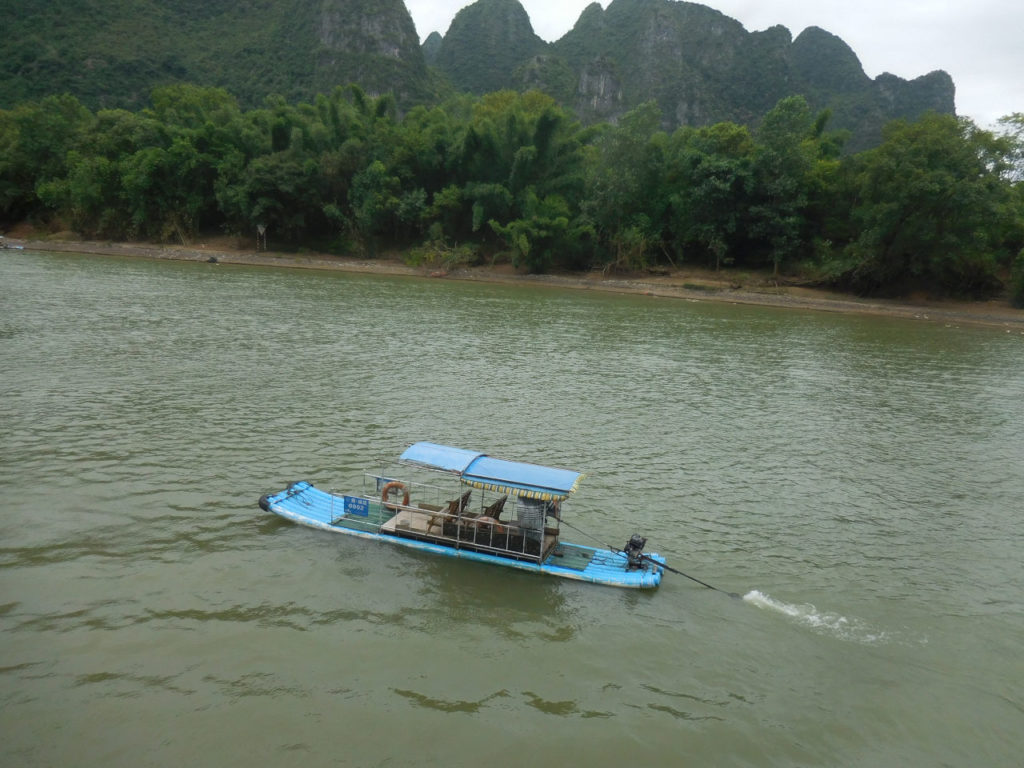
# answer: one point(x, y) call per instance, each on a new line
point(113, 53)
point(699, 65)
point(485, 44)
point(937, 206)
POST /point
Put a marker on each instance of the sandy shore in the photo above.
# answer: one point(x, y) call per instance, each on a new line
point(690, 285)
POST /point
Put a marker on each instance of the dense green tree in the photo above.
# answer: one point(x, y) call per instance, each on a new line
point(710, 178)
point(546, 234)
point(625, 197)
point(1017, 281)
point(283, 192)
point(1012, 130)
point(520, 166)
point(782, 164)
point(375, 198)
point(35, 139)
point(1011, 167)
point(89, 196)
point(422, 149)
point(294, 173)
point(930, 212)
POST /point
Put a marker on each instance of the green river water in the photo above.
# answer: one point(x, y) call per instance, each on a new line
point(858, 480)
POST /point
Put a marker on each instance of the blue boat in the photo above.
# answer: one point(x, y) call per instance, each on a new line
point(466, 504)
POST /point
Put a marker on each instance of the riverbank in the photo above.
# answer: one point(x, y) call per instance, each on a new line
point(685, 284)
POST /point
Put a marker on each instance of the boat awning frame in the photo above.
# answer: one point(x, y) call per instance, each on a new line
point(478, 470)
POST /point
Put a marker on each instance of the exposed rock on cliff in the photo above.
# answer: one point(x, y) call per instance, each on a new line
point(699, 65)
point(486, 43)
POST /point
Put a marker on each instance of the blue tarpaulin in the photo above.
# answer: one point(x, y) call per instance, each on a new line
point(481, 471)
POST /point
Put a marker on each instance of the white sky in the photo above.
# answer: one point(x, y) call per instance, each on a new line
point(980, 43)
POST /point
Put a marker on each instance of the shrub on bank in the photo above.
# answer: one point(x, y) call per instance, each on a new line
point(1017, 282)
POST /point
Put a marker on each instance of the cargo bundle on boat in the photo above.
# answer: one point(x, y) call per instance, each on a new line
point(461, 503)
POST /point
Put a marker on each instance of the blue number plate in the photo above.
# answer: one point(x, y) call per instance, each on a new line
point(357, 506)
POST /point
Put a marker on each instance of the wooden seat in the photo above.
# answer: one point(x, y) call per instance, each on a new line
point(490, 516)
point(490, 513)
point(455, 507)
point(495, 509)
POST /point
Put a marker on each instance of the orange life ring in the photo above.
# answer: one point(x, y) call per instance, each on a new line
point(393, 486)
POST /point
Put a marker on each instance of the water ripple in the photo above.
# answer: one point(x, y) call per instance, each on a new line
point(867, 466)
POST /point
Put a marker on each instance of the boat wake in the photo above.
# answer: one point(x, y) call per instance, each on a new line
point(824, 622)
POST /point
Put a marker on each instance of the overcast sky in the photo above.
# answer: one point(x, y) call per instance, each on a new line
point(979, 42)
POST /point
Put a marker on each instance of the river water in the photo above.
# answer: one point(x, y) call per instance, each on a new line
point(857, 480)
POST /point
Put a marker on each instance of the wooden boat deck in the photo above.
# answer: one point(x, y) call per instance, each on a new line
point(409, 521)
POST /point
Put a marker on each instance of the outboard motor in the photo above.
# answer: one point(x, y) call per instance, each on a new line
point(635, 551)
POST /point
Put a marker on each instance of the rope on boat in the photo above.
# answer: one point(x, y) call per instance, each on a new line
point(649, 559)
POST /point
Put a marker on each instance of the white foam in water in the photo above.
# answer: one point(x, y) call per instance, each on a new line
point(824, 622)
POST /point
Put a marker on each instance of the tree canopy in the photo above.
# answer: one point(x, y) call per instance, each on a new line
point(937, 206)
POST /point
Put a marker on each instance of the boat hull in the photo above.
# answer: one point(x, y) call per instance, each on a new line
point(305, 504)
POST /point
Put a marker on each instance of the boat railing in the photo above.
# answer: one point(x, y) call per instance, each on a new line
point(419, 491)
point(448, 516)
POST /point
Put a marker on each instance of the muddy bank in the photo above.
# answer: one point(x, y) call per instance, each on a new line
point(690, 285)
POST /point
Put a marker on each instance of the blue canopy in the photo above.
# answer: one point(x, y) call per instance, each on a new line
point(481, 471)
point(439, 457)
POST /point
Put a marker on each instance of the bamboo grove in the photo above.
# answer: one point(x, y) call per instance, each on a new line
point(938, 205)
